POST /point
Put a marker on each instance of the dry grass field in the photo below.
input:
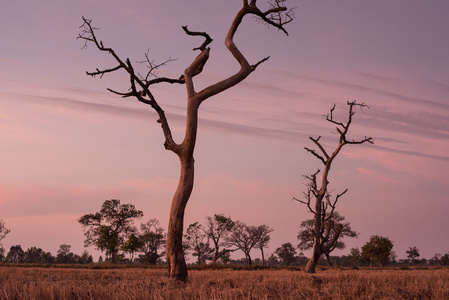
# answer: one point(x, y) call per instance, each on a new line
point(56, 283)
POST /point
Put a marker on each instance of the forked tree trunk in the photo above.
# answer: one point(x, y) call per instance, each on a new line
point(177, 268)
point(276, 16)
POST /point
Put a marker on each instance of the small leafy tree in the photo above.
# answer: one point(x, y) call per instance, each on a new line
point(286, 252)
point(15, 254)
point(378, 249)
point(263, 238)
point(435, 259)
point(245, 238)
point(109, 228)
point(218, 228)
point(35, 255)
point(225, 258)
point(413, 254)
point(48, 258)
point(132, 245)
point(334, 224)
point(85, 258)
point(199, 243)
point(64, 255)
point(356, 256)
point(3, 232)
point(153, 239)
point(2, 254)
point(272, 260)
point(444, 260)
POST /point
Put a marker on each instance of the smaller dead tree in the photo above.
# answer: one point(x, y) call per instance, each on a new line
point(324, 235)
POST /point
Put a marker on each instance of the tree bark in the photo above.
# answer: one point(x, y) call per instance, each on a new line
point(175, 255)
point(328, 258)
point(248, 259)
point(263, 257)
point(313, 261)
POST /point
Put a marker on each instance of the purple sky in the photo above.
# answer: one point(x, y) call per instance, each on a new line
point(67, 144)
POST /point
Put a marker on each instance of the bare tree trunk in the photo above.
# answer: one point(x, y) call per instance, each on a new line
point(177, 268)
point(249, 262)
point(263, 257)
point(328, 258)
point(313, 261)
point(175, 256)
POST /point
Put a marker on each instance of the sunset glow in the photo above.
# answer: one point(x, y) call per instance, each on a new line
point(67, 144)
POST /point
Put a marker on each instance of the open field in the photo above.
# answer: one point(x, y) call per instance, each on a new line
point(136, 283)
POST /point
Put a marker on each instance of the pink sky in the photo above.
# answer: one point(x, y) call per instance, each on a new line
point(68, 144)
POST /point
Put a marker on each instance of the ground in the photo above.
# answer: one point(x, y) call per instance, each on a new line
point(141, 283)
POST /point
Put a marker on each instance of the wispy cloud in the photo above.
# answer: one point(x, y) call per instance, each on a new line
point(363, 88)
point(412, 153)
point(388, 80)
point(72, 105)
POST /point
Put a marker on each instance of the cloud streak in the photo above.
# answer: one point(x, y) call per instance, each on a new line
point(362, 88)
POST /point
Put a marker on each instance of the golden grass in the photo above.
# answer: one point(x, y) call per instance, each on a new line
point(52, 283)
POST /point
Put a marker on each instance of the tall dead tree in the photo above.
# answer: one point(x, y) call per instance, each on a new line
point(325, 235)
point(141, 88)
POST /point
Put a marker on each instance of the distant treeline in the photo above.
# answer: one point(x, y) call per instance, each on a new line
point(34, 255)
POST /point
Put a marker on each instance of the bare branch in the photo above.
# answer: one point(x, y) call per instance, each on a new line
point(245, 67)
point(102, 72)
point(207, 38)
point(318, 144)
point(261, 61)
point(124, 95)
point(306, 203)
point(333, 205)
point(152, 66)
point(316, 154)
point(330, 118)
point(338, 197)
point(139, 85)
point(277, 15)
point(87, 32)
point(364, 140)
